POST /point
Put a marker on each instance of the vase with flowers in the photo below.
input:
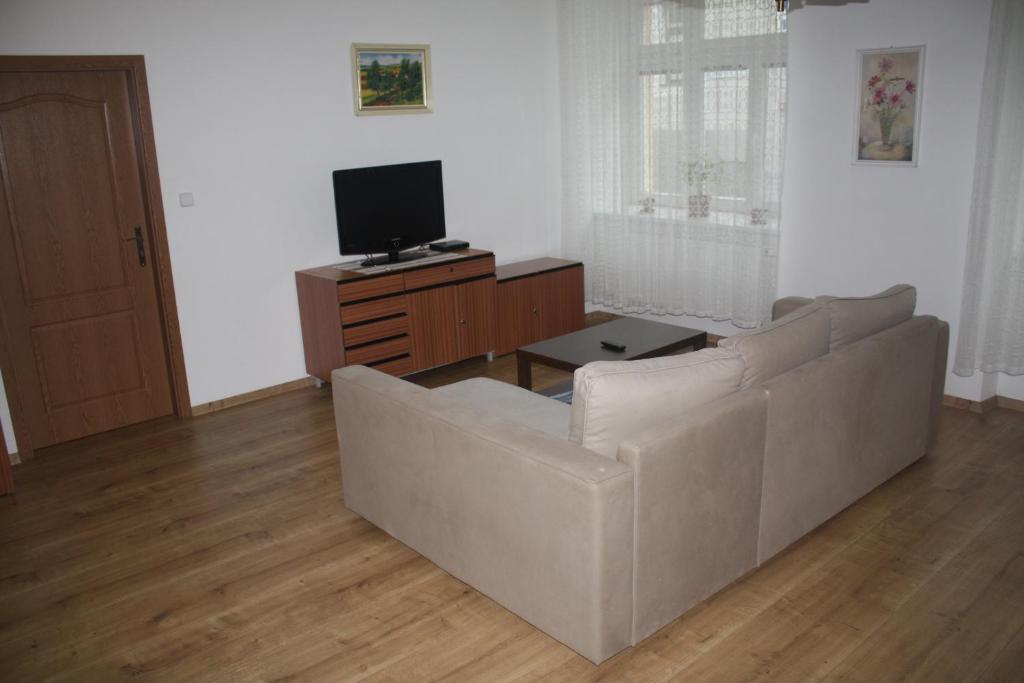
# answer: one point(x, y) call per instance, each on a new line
point(887, 97)
point(699, 174)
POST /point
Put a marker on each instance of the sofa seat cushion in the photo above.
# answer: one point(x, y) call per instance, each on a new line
point(792, 340)
point(613, 400)
point(854, 318)
point(512, 403)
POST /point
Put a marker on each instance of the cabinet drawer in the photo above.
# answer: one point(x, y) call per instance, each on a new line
point(389, 327)
point(396, 367)
point(370, 287)
point(379, 351)
point(448, 272)
point(380, 308)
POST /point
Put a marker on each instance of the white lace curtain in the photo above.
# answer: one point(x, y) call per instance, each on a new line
point(673, 136)
point(991, 336)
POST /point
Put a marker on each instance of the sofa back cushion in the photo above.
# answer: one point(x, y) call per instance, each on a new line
point(613, 400)
point(854, 318)
point(790, 341)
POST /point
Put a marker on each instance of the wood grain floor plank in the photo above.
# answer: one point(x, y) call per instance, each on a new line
point(219, 549)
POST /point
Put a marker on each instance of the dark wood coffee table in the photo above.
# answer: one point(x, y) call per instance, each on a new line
point(643, 339)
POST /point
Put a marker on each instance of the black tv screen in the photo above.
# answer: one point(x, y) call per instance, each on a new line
point(384, 209)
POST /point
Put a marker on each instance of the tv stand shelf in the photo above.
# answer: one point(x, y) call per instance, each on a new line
point(405, 317)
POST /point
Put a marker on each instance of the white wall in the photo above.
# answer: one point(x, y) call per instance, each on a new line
point(1011, 387)
point(252, 108)
point(854, 230)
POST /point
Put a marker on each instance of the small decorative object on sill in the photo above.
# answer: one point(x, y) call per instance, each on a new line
point(699, 206)
point(699, 174)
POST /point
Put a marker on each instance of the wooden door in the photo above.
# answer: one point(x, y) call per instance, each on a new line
point(476, 308)
point(82, 318)
point(519, 305)
point(561, 302)
point(433, 323)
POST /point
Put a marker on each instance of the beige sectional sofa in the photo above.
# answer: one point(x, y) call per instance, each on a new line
point(665, 481)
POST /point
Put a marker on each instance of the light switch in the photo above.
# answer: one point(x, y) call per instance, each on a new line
point(186, 199)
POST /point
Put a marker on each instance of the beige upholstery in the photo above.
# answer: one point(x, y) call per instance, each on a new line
point(599, 552)
point(614, 399)
point(698, 500)
point(854, 318)
point(781, 345)
point(538, 524)
point(512, 402)
point(787, 305)
point(841, 425)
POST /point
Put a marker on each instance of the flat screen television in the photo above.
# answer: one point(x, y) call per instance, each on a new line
point(385, 209)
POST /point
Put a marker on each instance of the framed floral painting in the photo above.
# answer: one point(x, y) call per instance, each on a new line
point(889, 106)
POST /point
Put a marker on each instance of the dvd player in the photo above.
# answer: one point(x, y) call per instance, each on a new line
point(449, 245)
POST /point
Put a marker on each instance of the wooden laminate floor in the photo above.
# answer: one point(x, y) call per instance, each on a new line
point(219, 549)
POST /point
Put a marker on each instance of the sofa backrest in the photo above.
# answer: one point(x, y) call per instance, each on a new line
point(853, 318)
point(783, 344)
point(613, 400)
point(839, 426)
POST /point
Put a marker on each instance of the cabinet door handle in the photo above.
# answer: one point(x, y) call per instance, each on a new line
point(535, 311)
point(462, 322)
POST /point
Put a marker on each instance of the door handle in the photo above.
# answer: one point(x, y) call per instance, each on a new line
point(140, 245)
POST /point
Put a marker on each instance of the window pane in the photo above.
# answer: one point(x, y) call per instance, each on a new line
point(726, 94)
point(664, 99)
point(774, 121)
point(735, 18)
point(665, 22)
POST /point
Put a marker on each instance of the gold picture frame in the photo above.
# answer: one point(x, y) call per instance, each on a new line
point(391, 79)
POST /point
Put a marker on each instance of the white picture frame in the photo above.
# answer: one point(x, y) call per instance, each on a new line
point(887, 125)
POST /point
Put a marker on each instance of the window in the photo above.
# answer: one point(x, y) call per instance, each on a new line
point(711, 134)
point(673, 121)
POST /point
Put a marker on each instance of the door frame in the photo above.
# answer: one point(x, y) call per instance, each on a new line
point(134, 67)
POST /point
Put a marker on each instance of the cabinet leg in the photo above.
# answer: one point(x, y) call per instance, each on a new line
point(490, 356)
point(524, 371)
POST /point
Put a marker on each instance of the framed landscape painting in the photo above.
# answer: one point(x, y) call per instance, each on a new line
point(889, 106)
point(391, 79)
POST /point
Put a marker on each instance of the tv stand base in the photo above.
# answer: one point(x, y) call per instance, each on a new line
point(395, 257)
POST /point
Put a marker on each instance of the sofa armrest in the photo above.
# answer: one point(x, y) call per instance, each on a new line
point(787, 305)
point(697, 506)
point(537, 523)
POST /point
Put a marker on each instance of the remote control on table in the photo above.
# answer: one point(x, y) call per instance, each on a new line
point(613, 346)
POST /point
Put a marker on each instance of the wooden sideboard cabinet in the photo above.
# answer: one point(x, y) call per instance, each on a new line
point(398, 321)
point(452, 323)
point(538, 299)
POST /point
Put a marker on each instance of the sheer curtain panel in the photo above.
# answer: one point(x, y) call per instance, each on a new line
point(673, 135)
point(991, 336)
